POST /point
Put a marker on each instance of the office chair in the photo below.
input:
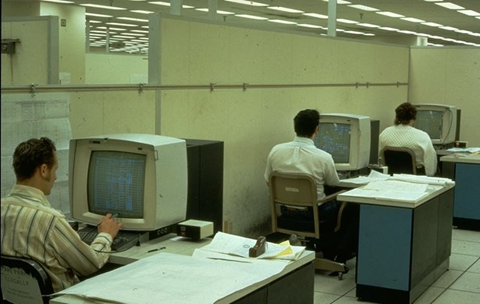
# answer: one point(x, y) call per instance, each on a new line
point(300, 191)
point(24, 281)
point(400, 160)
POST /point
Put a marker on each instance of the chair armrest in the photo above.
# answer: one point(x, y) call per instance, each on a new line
point(331, 197)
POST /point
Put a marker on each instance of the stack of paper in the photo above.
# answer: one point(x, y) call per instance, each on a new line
point(442, 181)
point(230, 246)
point(390, 190)
point(372, 177)
point(464, 150)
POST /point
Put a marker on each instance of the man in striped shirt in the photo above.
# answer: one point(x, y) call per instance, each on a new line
point(31, 228)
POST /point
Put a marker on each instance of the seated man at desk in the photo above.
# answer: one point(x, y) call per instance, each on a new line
point(403, 134)
point(31, 228)
point(302, 156)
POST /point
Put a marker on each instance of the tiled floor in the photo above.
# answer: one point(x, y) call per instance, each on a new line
point(459, 285)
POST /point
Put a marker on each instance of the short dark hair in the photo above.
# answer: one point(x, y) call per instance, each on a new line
point(404, 113)
point(306, 122)
point(31, 154)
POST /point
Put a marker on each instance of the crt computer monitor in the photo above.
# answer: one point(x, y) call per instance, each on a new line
point(439, 121)
point(141, 177)
point(347, 138)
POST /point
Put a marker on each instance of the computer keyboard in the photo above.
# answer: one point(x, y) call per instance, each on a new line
point(123, 241)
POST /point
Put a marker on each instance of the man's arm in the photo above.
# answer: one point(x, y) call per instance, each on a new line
point(73, 253)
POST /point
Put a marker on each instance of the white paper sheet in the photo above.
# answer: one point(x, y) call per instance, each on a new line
point(164, 277)
point(239, 246)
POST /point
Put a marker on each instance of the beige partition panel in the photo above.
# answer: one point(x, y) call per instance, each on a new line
point(251, 122)
point(115, 69)
point(36, 56)
point(110, 112)
point(449, 76)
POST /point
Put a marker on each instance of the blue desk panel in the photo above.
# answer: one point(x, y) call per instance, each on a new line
point(467, 191)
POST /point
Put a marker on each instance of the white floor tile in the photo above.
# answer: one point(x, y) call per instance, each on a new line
point(466, 235)
point(475, 268)
point(324, 298)
point(457, 297)
point(349, 300)
point(468, 281)
point(429, 295)
point(447, 278)
point(466, 247)
point(461, 262)
point(352, 293)
point(333, 285)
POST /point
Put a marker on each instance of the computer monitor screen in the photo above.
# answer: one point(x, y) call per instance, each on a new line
point(140, 177)
point(347, 138)
point(334, 138)
point(430, 122)
point(438, 121)
point(116, 183)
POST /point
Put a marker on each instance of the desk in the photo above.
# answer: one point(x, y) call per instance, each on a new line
point(295, 284)
point(402, 249)
point(465, 170)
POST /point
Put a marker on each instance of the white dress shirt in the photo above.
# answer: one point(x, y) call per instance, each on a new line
point(301, 156)
point(417, 140)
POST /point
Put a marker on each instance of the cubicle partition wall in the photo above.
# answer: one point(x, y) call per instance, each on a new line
point(243, 86)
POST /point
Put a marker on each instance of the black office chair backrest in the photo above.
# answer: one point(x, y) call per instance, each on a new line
point(399, 160)
point(24, 281)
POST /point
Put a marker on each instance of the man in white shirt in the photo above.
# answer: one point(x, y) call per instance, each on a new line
point(403, 134)
point(302, 156)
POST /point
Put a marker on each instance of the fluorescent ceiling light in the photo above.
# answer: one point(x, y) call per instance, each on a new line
point(59, 1)
point(122, 24)
point(281, 21)
point(94, 21)
point(314, 15)
point(346, 21)
point(163, 3)
point(368, 25)
point(251, 17)
point(251, 3)
point(432, 24)
point(469, 13)
point(340, 30)
point(120, 36)
point(354, 32)
point(410, 19)
point(218, 11)
point(339, 1)
point(112, 28)
point(368, 34)
point(97, 35)
point(390, 29)
point(390, 14)
point(309, 25)
point(433, 0)
point(133, 34)
point(140, 31)
point(449, 28)
point(285, 9)
point(98, 15)
point(364, 7)
point(450, 5)
point(142, 12)
point(133, 19)
point(407, 32)
point(115, 8)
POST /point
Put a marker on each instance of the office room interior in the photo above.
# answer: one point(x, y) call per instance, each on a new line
point(242, 85)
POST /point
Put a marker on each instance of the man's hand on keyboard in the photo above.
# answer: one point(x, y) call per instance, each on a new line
point(110, 225)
